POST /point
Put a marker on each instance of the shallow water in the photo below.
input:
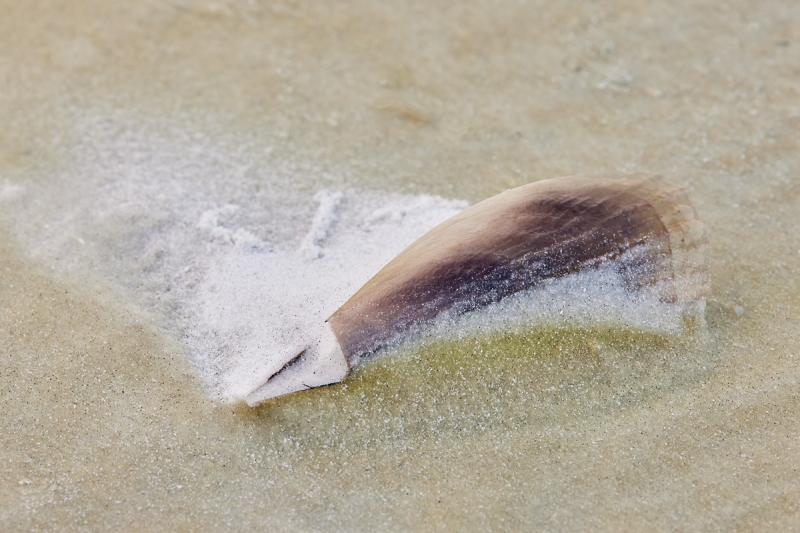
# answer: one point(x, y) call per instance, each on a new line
point(124, 124)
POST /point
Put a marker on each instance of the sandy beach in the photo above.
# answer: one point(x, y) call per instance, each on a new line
point(163, 167)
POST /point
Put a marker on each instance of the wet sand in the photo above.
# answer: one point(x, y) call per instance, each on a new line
point(119, 119)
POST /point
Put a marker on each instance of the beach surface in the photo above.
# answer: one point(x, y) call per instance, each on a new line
point(187, 184)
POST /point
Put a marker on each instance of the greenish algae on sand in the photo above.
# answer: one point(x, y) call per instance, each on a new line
point(539, 369)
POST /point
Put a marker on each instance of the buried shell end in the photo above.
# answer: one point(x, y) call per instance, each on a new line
point(322, 363)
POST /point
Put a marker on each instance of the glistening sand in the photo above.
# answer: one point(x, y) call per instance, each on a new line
point(123, 125)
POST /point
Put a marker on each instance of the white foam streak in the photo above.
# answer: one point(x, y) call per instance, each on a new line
point(311, 247)
point(595, 296)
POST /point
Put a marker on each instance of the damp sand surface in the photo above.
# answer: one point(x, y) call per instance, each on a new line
point(153, 152)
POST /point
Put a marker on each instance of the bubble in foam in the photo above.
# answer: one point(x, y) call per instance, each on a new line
point(626, 250)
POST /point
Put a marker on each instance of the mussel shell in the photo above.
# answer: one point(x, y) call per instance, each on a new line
point(515, 240)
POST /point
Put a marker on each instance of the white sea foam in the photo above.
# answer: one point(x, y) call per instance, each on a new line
point(254, 310)
point(225, 247)
point(598, 295)
point(325, 216)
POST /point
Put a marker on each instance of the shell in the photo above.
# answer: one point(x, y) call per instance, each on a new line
point(513, 242)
